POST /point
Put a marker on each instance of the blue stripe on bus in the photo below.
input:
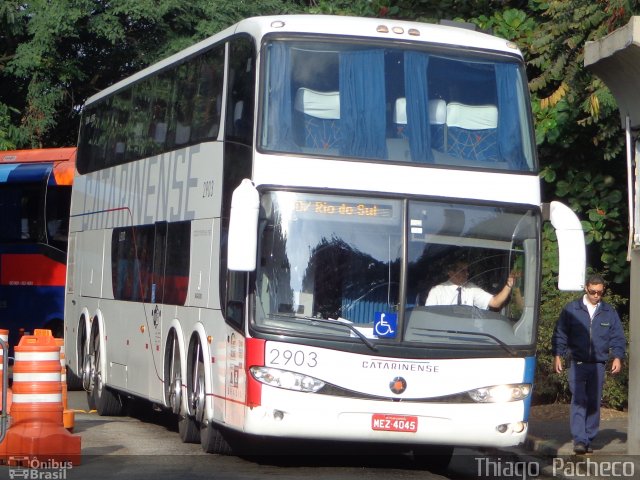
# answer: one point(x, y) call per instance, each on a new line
point(34, 172)
point(5, 170)
point(529, 373)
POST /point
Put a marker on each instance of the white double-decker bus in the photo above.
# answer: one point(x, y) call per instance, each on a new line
point(257, 222)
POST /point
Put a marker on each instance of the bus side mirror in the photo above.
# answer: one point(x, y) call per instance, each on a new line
point(571, 248)
point(242, 242)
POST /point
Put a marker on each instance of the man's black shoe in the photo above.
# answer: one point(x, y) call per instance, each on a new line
point(580, 448)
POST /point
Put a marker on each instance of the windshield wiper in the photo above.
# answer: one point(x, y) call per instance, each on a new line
point(333, 321)
point(347, 324)
point(509, 350)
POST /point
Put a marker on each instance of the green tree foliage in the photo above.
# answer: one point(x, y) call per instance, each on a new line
point(57, 53)
point(578, 129)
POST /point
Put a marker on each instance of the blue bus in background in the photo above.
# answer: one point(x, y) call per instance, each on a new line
point(35, 193)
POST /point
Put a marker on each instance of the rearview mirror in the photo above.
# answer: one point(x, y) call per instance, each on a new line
point(243, 228)
point(571, 248)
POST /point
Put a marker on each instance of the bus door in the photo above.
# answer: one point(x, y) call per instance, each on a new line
point(148, 283)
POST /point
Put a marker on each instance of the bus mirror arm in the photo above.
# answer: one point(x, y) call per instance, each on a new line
point(242, 241)
point(571, 246)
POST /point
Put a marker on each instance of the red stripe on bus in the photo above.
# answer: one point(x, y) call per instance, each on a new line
point(31, 269)
point(254, 356)
point(226, 399)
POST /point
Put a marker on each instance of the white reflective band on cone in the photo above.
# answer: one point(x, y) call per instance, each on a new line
point(37, 377)
point(37, 356)
point(37, 398)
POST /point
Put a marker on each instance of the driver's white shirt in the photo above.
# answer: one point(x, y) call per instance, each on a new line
point(447, 294)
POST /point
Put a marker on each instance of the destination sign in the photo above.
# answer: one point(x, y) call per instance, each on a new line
point(327, 208)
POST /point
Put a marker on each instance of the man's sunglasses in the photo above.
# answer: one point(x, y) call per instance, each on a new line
point(595, 292)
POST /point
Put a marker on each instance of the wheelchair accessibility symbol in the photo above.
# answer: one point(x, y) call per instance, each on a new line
point(384, 324)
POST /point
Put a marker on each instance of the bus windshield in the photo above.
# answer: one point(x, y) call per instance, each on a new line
point(396, 104)
point(341, 258)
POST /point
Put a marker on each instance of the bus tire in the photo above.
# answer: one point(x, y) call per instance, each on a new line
point(107, 402)
point(101, 398)
point(188, 429)
point(196, 397)
point(213, 441)
point(173, 380)
point(74, 382)
point(81, 352)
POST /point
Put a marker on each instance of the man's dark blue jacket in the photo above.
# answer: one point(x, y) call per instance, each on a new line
point(585, 339)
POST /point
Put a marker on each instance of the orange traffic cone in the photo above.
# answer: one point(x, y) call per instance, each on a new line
point(68, 416)
point(37, 434)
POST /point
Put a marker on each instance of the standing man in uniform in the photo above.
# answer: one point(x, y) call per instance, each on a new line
point(590, 331)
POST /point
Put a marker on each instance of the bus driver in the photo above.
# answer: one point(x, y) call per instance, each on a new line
point(459, 291)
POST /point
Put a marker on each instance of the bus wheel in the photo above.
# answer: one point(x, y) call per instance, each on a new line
point(212, 440)
point(195, 381)
point(173, 374)
point(102, 398)
point(188, 429)
point(187, 426)
point(75, 381)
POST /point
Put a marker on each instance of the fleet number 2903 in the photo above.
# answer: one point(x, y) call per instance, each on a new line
point(284, 357)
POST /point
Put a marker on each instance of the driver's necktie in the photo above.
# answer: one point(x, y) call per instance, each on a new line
point(459, 289)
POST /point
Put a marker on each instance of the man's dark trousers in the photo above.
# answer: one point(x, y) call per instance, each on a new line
point(585, 381)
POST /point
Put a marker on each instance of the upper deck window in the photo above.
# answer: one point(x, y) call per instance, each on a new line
point(460, 109)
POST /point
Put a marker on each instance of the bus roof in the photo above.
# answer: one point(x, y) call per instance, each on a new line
point(335, 25)
point(38, 155)
point(61, 160)
point(384, 29)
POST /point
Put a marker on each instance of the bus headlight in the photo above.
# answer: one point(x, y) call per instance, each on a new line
point(275, 377)
point(501, 393)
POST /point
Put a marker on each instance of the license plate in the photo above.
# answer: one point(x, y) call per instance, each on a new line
point(394, 423)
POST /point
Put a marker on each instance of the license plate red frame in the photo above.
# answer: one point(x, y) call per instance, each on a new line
point(394, 423)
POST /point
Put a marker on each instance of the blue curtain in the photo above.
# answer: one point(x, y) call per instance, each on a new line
point(509, 133)
point(362, 104)
point(279, 118)
point(416, 65)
